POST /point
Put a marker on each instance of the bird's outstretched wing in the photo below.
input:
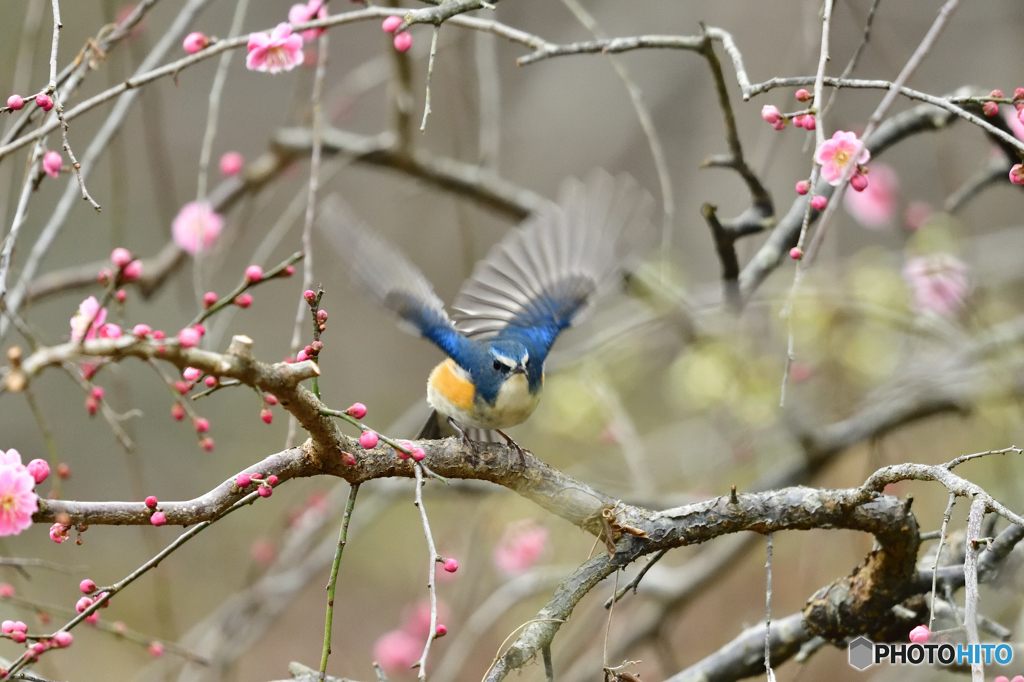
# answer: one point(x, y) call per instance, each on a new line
point(386, 274)
point(545, 274)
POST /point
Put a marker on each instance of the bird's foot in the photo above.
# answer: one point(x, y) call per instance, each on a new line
point(462, 434)
point(515, 446)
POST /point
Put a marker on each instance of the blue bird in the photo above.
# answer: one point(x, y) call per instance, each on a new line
point(541, 278)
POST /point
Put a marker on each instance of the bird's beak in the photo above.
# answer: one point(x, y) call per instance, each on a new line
point(519, 370)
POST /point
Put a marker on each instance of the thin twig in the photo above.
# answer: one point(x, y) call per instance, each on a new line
point(333, 582)
point(431, 583)
point(974, 519)
point(938, 556)
point(768, 610)
point(852, 64)
point(430, 76)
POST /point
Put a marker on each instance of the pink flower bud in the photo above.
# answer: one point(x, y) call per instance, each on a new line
point(7, 627)
point(802, 95)
point(156, 649)
point(243, 300)
point(209, 298)
point(211, 382)
point(151, 502)
point(120, 257)
point(348, 459)
point(178, 412)
point(1017, 174)
point(182, 387)
point(83, 604)
point(270, 399)
point(188, 337)
point(780, 124)
point(110, 331)
point(809, 122)
point(819, 202)
point(191, 373)
point(996, 94)
point(859, 182)
point(6, 592)
point(403, 41)
point(288, 271)
point(52, 163)
point(158, 518)
point(44, 102)
point(39, 470)
point(368, 440)
point(158, 335)
point(253, 273)
point(990, 108)
point(301, 356)
point(15, 102)
point(104, 275)
point(451, 565)
point(358, 411)
point(63, 638)
point(418, 454)
point(64, 471)
point(803, 187)
point(206, 443)
point(93, 618)
point(201, 424)
point(770, 113)
point(231, 164)
point(798, 121)
point(266, 415)
point(200, 329)
point(243, 480)
point(121, 296)
point(796, 253)
point(132, 271)
point(310, 296)
point(58, 533)
point(321, 316)
point(391, 23)
point(265, 491)
point(920, 635)
point(441, 630)
point(91, 405)
point(1017, 94)
point(272, 479)
point(194, 42)
point(18, 637)
point(87, 586)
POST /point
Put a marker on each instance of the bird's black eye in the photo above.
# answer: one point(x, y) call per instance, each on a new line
point(499, 366)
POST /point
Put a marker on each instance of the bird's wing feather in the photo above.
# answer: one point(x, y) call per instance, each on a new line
point(386, 274)
point(548, 271)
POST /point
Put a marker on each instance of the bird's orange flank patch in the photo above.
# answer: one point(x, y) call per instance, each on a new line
point(447, 381)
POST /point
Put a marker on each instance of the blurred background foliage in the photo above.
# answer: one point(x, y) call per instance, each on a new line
point(660, 398)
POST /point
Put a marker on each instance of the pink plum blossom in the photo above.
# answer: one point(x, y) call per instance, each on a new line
point(520, 547)
point(231, 164)
point(194, 42)
point(836, 155)
point(397, 651)
point(52, 163)
point(196, 226)
point(274, 52)
point(11, 458)
point(875, 206)
point(17, 500)
point(302, 13)
point(403, 41)
point(88, 310)
point(920, 634)
point(939, 283)
point(38, 469)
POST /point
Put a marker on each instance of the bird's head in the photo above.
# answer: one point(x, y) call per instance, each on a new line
point(506, 360)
